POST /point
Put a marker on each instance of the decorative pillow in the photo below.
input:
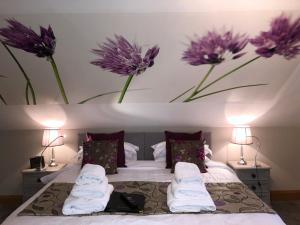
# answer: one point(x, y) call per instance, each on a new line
point(178, 136)
point(111, 136)
point(103, 153)
point(188, 151)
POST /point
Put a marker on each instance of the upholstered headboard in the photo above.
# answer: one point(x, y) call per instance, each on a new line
point(145, 141)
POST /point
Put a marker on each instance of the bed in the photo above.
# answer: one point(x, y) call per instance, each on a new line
point(146, 169)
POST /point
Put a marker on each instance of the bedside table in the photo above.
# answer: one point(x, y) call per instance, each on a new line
point(31, 179)
point(257, 179)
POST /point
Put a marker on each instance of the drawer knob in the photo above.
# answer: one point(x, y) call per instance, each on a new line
point(253, 187)
point(253, 175)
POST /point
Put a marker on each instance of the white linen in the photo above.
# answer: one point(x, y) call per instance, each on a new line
point(91, 174)
point(182, 190)
point(90, 190)
point(131, 147)
point(190, 204)
point(130, 155)
point(86, 205)
point(187, 173)
point(217, 172)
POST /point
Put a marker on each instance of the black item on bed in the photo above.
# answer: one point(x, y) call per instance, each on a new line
point(125, 202)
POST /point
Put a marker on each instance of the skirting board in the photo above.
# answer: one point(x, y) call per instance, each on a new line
point(285, 195)
point(11, 199)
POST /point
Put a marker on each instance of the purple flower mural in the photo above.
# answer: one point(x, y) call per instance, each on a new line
point(282, 38)
point(2, 99)
point(18, 36)
point(211, 48)
point(121, 57)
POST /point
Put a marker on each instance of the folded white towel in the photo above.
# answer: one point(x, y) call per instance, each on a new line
point(189, 204)
point(81, 205)
point(90, 190)
point(91, 174)
point(187, 172)
point(183, 190)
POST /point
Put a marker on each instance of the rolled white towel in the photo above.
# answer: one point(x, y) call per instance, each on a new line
point(90, 174)
point(187, 173)
point(90, 190)
point(81, 205)
point(183, 190)
point(189, 204)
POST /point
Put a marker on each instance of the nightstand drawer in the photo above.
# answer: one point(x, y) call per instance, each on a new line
point(253, 174)
point(253, 185)
point(31, 179)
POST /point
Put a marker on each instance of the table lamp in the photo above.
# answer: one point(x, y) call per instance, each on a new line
point(52, 138)
point(242, 136)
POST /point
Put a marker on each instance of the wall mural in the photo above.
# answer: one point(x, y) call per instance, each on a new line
point(120, 56)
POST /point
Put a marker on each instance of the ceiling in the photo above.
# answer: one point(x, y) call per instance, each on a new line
point(79, 27)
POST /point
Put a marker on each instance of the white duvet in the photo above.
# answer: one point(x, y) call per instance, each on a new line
point(147, 171)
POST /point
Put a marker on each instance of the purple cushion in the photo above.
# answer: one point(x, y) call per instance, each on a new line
point(188, 151)
point(111, 136)
point(178, 136)
point(103, 153)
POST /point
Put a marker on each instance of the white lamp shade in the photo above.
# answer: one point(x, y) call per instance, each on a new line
point(52, 138)
point(241, 136)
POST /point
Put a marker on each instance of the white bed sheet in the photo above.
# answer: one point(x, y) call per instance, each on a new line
point(147, 171)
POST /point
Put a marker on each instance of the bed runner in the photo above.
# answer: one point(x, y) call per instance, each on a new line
point(228, 197)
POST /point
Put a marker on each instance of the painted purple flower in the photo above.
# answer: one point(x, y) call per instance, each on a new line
point(19, 36)
point(211, 48)
point(283, 38)
point(121, 57)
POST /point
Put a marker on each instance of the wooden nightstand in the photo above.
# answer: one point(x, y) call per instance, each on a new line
point(257, 179)
point(31, 179)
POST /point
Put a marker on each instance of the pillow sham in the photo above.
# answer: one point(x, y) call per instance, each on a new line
point(130, 156)
point(159, 152)
point(178, 136)
point(103, 153)
point(188, 151)
point(131, 147)
point(111, 136)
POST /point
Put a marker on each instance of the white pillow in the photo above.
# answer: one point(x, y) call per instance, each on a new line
point(129, 146)
point(159, 152)
point(130, 151)
point(130, 155)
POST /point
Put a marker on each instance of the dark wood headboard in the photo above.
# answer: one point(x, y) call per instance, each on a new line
point(145, 141)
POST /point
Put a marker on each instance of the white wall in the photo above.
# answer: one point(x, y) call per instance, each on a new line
point(280, 149)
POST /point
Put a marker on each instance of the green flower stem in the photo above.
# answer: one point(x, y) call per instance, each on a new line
point(107, 93)
point(129, 79)
point(3, 100)
point(23, 72)
point(58, 80)
point(27, 94)
point(195, 92)
point(228, 89)
point(227, 74)
point(174, 99)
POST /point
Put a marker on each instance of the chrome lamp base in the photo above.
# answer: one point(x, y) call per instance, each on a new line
point(52, 162)
point(242, 160)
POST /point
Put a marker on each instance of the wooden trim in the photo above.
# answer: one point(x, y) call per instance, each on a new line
point(285, 195)
point(11, 199)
